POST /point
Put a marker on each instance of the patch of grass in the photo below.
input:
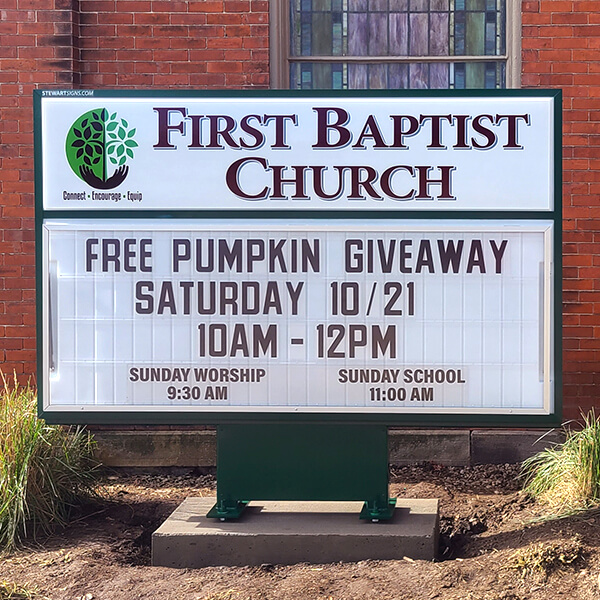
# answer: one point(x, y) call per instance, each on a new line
point(12, 591)
point(542, 558)
point(44, 470)
point(567, 476)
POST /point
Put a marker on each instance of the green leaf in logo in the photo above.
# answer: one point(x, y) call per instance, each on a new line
point(96, 142)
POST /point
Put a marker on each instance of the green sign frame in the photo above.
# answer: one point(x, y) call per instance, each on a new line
point(175, 417)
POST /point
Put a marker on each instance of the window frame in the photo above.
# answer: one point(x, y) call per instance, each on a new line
point(280, 59)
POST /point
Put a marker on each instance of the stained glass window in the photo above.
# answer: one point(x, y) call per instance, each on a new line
point(397, 44)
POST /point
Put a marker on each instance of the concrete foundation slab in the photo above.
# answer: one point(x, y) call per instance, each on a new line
point(292, 532)
point(156, 448)
point(406, 446)
point(494, 446)
point(443, 447)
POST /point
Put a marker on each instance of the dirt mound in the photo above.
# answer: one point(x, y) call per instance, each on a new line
point(495, 544)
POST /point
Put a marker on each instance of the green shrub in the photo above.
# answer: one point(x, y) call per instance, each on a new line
point(44, 470)
point(567, 476)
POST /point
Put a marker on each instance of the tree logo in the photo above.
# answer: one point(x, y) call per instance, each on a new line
point(95, 144)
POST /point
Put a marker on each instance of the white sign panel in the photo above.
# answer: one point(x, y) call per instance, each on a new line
point(298, 316)
point(295, 153)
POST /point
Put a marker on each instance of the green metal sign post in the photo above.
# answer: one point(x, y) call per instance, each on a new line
point(290, 461)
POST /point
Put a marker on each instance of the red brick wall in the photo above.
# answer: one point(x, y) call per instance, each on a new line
point(93, 44)
point(36, 49)
point(172, 43)
point(224, 43)
point(561, 46)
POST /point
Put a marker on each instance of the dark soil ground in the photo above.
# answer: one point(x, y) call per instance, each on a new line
point(495, 544)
